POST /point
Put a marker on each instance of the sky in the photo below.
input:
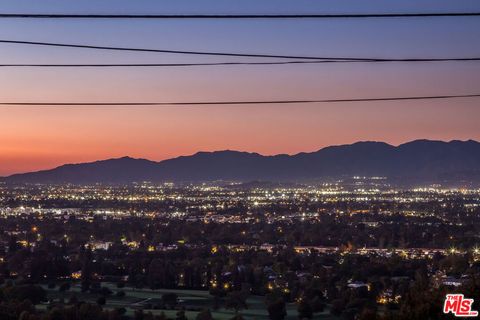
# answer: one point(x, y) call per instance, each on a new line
point(33, 138)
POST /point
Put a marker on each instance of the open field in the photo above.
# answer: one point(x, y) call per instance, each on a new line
point(192, 300)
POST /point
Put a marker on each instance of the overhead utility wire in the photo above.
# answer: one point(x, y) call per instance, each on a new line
point(236, 16)
point(303, 101)
point(170, 64)
point(194, 64)
point(203, 53)
point(230, 54)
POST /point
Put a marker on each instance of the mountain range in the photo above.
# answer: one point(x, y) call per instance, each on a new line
point(416, 162)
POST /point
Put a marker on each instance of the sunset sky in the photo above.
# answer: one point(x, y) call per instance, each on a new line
point(34, 138)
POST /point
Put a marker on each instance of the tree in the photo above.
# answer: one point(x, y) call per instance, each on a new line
point(55, 314)
point(13, 245)
point(277, 310)
point(204, 315)
point(367, 314)
point(101, 301)
point(139, 314)
point(73, 299)
point(304, 310)
point(89, 311)
point(237, 317)
point(26, 315)
point(170, 299)
point(86, 257)
point(121, 311)
point(338, 305)
point(161, 316)
point(64, 287)
point(236, 300)
point(181, 315)
point(35, 294)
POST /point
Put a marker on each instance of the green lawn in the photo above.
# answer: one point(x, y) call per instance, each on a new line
point(190, 299)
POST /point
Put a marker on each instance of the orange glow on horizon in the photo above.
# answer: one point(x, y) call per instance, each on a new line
point(44, 137)
point(52, 137)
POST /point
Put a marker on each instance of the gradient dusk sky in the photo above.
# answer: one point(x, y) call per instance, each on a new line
point(34, 138)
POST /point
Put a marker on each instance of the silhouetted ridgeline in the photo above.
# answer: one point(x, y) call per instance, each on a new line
point(420, 161)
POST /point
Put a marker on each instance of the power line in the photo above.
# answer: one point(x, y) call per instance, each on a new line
point(230, 54)
point(168, 64)
point(195, 64)
point(235, 102)
point(236, 16)
point(204, 53)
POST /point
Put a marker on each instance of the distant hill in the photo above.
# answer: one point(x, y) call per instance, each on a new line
point(420, 161)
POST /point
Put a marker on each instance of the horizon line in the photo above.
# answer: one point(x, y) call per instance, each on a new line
point(238, 151)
